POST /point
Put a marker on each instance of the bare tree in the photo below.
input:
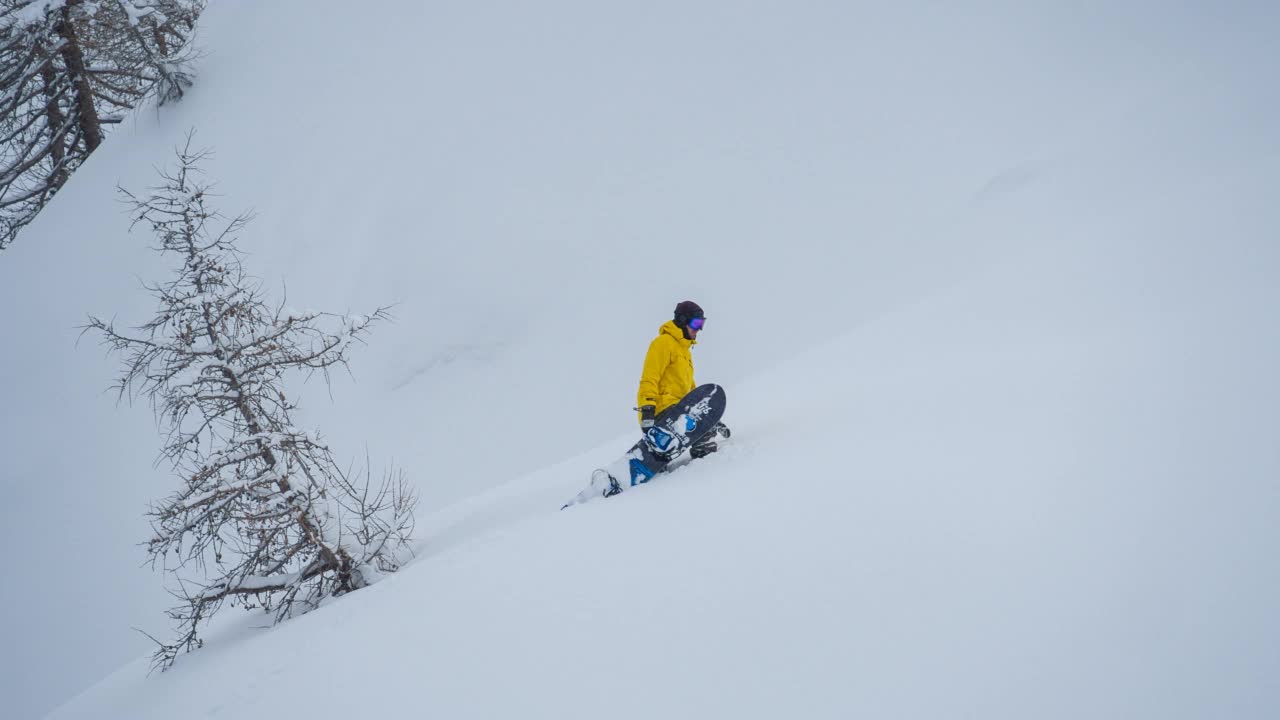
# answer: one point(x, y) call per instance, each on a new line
point(143, 49)
point(68, 68)
point(264, 512)
point(41, 138)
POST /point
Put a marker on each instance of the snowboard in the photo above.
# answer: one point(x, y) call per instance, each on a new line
point(675, 430)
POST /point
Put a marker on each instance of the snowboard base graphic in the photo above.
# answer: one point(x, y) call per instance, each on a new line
point(675, 430)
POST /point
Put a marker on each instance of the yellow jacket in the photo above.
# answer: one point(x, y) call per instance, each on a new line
point(668, 369)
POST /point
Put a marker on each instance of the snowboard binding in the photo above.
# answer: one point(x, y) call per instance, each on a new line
point(707, 444)
point(607, 483)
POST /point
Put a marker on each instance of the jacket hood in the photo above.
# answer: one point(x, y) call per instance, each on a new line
point(670, 328)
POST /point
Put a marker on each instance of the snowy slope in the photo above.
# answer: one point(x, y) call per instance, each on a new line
point(992, 291)
point(1022, 531)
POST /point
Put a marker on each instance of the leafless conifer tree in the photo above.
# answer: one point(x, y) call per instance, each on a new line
point(264, 515)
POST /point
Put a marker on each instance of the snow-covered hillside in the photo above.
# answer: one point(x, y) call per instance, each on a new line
point(992, 292)
point(1061, 521)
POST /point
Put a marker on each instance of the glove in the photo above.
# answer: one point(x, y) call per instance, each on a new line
point(646, 416)
point(721, 429)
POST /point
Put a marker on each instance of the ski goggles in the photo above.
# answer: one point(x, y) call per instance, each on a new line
point(697, 323)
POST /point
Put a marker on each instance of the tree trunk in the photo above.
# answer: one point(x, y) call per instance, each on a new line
point(55, 120)
point(162, 44)
point(73, 56)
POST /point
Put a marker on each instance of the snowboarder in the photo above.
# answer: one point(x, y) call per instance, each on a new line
point(675, 413)
point(667, 376)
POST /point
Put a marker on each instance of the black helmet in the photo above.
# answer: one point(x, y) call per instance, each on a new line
point(687, 311)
